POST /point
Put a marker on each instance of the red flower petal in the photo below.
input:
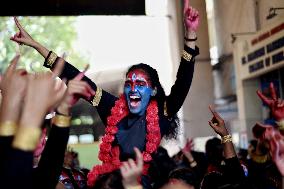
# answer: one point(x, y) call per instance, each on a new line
point(108, 138)
point(111, 130)
point(146, 157)
point(105, 147)
point(151, 147)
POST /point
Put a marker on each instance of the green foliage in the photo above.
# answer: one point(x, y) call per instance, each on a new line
point(55, 33)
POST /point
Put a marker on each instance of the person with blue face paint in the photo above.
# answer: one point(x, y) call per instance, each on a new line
point(143, 114)
point(138, 91)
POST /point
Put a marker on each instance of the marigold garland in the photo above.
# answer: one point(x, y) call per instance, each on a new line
point(109, 154)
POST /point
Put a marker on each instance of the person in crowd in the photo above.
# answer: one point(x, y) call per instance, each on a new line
point(71, 176)
point(20, 132)
point(127, 177)
point(194, 161)
point(178, 185)
point(21, 99)
point(143, 114)
point(229, 175)
point(160, 167)
point(263, 172)
point(274, 135)
point(185, 176)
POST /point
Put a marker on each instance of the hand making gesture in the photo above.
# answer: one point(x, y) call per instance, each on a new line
point(191, 17)
point(131, 171)
point(22, 37)
point(76, 88)
point(275, 104)
point(217, 123)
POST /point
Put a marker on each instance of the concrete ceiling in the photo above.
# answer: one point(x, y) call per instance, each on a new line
point(72, 7)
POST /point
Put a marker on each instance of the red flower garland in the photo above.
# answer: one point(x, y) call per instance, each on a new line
point(109, 155)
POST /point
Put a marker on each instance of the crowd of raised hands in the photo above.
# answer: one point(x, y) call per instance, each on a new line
point(274, 134)
point(28, 97)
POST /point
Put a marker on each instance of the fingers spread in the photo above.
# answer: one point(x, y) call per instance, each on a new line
point(263, 98)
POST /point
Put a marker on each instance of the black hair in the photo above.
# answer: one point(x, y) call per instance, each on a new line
point(186, 175)
point(160, 96)
point(160, 167)
point(111, 180)
point(253, 142)
point(214, 151)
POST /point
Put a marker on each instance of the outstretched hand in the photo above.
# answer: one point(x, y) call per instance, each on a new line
point(188, 146)
point(13, 88)
point(217, 123)
point(22, 36)
point(191, 17)
point(131, 171)
point(275, 104)
point(76, 88)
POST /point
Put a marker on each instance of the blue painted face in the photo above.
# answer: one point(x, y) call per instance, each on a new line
point(138, 91)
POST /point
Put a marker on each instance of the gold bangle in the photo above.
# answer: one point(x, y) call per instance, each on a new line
point(97, 98)
point(8, 128)
point(27, 138)
point(280, 124)
point(186, 55)
point(51, 59)
point(227, 138)
point(61, 120)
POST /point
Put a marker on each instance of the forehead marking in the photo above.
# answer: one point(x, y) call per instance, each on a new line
point(134, 77)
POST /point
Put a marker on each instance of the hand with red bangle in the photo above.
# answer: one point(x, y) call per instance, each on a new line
point(275, 104)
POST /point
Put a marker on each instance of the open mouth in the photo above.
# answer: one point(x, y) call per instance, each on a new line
point(134, 100)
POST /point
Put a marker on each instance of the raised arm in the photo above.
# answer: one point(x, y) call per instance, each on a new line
point(102, 100)
point(218, 125)
point(185, 71)
point(13, 85)
point(233, 170)
point(40, 96)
